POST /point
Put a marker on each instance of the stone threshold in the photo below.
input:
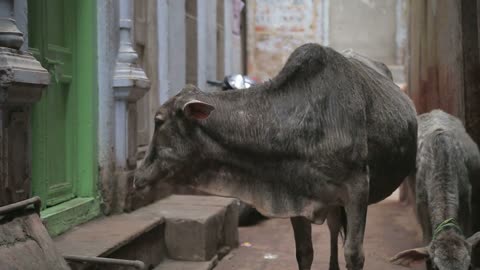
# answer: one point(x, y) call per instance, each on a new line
point(61, 217)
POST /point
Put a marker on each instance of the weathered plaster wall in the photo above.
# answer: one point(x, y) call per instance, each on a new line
point(207, 43)
point(277, 27)
point(367, 26)
point(107, 47)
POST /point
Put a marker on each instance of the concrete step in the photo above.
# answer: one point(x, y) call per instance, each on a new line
point(186, 265)
point(179, 227)
point(137, 236)
point(197, 227)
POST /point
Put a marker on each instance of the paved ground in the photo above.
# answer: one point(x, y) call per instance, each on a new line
point(391, 227)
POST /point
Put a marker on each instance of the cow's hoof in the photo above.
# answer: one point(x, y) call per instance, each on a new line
point(334, 267)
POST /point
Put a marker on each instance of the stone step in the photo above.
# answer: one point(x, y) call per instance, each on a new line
point(197, 227)
point(179, 227)
point(136, 236)
point(186, 265)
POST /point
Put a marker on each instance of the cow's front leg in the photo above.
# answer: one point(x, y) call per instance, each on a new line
point(302, 230)
point(356, 210)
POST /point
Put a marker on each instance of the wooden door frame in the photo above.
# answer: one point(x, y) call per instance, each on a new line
point(85, 206)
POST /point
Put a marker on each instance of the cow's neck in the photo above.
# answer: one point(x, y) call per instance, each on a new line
point(443, 197)
point(255, 122)
point(241, 118)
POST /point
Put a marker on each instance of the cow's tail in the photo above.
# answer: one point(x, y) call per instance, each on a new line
point(343, 224)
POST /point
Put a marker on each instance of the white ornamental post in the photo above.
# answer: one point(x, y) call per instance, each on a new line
point(129, 83)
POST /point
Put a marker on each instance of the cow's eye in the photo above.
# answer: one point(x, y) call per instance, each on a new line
point(159, 119)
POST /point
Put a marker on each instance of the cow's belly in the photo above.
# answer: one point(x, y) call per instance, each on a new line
point(278, 201)
point(388, 168)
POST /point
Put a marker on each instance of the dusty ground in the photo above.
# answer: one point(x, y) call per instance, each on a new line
point(391, 227)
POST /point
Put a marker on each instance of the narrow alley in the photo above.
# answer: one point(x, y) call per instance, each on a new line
point(134, 134)
point(391, 227)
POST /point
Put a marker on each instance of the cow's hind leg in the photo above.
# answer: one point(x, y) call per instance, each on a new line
point(334, 226)
point(302, 230)
point(356, 210)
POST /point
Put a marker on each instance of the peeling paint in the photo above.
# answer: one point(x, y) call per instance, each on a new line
point(278, 27)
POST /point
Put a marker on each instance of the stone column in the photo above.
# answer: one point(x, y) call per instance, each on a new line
point(130, 83)
point(22, 80)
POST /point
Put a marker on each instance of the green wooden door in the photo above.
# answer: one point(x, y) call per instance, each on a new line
point(51, 39)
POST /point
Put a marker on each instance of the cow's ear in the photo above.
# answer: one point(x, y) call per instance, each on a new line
point(197, 110)
point(474, 240)
point(410, 257)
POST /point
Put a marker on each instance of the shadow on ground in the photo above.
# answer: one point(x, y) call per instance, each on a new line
point(391, 227)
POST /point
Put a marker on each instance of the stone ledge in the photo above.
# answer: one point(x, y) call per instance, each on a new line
point(197, 227)
point(195, 202)
point(103, 236)
point(62, 217)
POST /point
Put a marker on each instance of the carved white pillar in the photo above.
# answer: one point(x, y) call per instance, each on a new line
point(10, 36)
point(22, 77)
point(129, 83)
point(22, 80)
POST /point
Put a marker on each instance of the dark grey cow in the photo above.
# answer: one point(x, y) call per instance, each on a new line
point(328, 131)
point(447, 158)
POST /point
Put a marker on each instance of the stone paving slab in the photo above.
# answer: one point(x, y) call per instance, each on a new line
point(184, 265)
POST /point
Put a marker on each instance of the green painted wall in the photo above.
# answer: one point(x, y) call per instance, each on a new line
point(64, 122)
